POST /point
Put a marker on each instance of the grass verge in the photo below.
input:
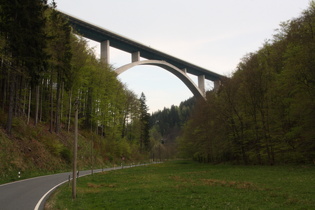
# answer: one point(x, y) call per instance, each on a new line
point(190, 185)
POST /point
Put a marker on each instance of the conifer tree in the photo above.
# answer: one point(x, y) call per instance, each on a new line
point(22, 26)
point(144, 122)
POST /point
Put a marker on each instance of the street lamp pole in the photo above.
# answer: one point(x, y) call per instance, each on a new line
point(75, 149)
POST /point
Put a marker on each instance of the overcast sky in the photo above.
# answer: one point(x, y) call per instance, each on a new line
point(214, 34)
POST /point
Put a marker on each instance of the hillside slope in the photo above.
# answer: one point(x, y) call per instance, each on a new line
point(35, 151)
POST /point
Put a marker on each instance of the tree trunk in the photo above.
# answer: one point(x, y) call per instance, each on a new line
point(51, 105)
point(37, 105)
point(41, 102)
point(69, 114)
point(61, 101)
point(29, 106)
point(257, 141)
point(11, 106)
point(57, 121)
point(17, 98)
point(4, 93)
point(24, 100)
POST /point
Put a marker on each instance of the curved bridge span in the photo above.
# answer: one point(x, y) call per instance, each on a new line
point(169, 67)
point(178, 67)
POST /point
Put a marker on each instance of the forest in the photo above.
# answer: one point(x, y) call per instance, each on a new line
point(45, 70)
point(265, 112)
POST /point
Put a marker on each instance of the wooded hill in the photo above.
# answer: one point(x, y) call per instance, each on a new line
point(264, 113)
point(166, 125)
point(44, 70)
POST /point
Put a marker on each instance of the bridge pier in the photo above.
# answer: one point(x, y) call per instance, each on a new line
point(105, 51)
point(217, 84)
point(135, 56)
point(201, 84)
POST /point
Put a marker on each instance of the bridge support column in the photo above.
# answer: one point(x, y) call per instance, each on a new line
point(217, 84)
point(135, 56)
point(201, 84)
point(105, 51)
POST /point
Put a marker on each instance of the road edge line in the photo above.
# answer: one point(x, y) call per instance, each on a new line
point(43, 197)
point(53, 188)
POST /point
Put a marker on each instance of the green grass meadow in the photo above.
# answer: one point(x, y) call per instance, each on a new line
point(191, 185)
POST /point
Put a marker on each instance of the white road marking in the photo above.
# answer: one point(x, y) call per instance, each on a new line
point(42, 198)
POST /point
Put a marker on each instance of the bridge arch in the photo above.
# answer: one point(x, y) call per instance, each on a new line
point(169, 67)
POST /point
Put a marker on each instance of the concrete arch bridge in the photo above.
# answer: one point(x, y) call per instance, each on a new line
point(176, 66)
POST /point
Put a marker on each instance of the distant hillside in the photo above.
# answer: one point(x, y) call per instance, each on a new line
point(166, 125)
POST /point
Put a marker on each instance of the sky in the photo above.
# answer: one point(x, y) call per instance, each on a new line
point(213, 34)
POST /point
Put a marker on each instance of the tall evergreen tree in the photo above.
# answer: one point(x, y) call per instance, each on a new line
point(59, 33)
point(22, 23)
point(145, 124)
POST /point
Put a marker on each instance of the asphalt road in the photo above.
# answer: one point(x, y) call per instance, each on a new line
point(32, 193)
